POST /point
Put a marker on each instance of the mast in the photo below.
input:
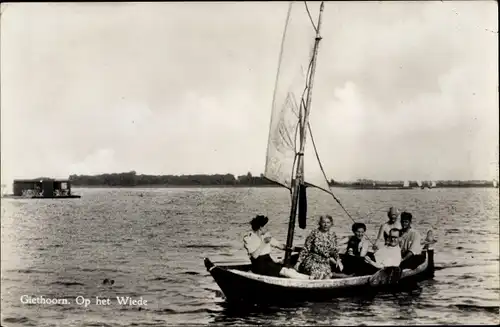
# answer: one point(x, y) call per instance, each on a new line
point(299, 175)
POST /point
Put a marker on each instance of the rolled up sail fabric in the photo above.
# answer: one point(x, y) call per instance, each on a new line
point(302, 206)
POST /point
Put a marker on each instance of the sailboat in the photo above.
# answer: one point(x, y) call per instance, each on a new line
point(285, 162)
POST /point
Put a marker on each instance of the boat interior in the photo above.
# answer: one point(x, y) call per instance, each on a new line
point(247, 268)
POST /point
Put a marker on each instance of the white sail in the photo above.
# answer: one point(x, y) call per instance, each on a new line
point(283, 142)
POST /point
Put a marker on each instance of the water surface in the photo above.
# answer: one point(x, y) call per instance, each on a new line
point(152, 242)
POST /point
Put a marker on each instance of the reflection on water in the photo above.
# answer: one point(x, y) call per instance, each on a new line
point(153, 246)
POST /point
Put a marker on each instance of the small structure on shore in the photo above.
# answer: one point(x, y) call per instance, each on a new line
point(42, 188)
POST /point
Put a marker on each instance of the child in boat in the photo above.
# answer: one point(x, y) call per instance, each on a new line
point(258, 244)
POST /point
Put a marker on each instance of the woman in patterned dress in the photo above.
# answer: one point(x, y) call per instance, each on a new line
point(320, 253)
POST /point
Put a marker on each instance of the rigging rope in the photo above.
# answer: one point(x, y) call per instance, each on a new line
point(310, 18)
point(324, 175)
point(308, 77)
point(303, 104)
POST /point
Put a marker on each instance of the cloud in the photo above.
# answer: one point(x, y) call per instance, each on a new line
point(402, 90)
point(95, 162)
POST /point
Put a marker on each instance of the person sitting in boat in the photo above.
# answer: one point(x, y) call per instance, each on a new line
point(388, 255)
point(393, 222)
point(258, 244)
point(319, 254)
point(358, 244)
point(357, 248)
point(410, 242)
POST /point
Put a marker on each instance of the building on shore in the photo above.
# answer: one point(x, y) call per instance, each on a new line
point(41, 188)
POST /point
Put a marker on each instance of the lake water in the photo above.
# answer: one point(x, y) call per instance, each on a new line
point(152, 242)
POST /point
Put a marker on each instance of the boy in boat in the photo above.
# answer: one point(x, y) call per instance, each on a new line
point(410, 242)
point(258, 244)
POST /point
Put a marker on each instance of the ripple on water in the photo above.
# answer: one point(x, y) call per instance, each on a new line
point(24, 321)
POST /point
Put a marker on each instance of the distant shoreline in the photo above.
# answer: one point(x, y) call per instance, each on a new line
point(133, 180)
point(175, 186)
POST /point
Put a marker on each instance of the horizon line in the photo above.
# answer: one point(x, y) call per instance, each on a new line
point(259, 175)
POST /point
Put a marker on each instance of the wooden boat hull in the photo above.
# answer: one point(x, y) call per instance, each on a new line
point(239, 285)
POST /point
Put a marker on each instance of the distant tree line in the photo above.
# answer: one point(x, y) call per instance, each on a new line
point(130, 179)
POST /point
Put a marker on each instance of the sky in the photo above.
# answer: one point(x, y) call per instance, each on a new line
point(403, 90)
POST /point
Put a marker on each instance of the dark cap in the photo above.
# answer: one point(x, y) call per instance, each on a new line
point(406, 216)
point(259, 221)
